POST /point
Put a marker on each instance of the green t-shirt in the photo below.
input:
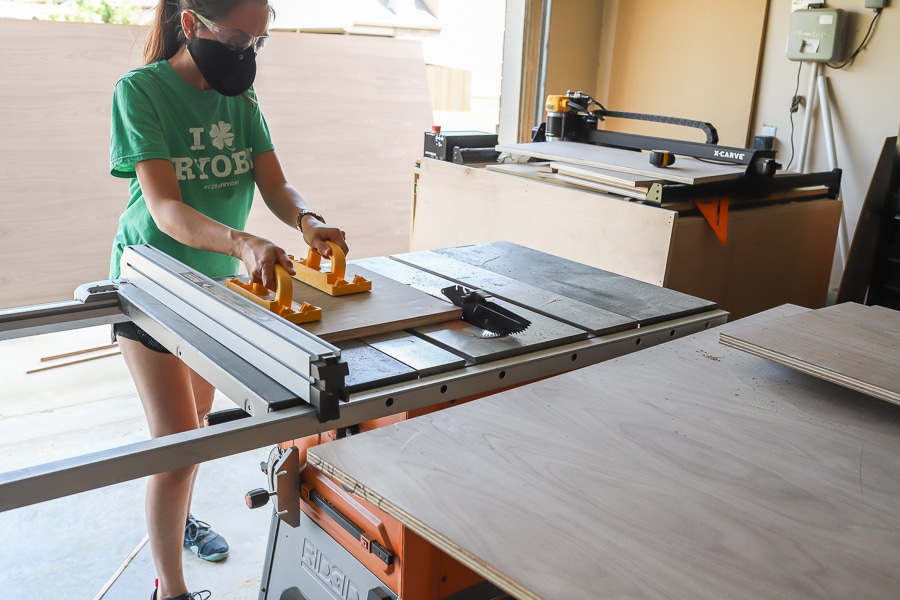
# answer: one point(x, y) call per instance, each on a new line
point(211, 140)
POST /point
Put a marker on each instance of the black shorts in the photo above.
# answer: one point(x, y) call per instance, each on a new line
point(130, 331)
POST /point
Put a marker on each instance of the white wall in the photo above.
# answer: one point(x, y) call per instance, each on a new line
point(865, 98)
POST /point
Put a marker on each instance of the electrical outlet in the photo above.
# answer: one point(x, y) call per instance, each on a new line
point(876, 3)
point(768, 130)
point(801, 4)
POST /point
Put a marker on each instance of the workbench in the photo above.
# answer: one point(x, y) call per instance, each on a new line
point(776, 252)
point(687, 470)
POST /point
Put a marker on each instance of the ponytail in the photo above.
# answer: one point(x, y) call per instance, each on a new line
point(165, 33)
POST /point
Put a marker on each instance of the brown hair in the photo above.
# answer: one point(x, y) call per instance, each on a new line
point(166, 36)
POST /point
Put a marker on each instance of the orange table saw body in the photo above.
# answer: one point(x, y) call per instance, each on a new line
point(418, 569)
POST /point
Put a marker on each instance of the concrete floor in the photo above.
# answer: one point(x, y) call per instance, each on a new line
point(71, 547)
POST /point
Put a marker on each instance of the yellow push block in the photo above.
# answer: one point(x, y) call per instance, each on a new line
point(333, 283)
point(281, 302)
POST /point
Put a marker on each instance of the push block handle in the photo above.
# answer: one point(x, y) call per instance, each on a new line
point(284, 288)
point(338, 261)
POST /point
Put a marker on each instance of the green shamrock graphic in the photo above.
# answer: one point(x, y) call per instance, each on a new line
point(222, 135)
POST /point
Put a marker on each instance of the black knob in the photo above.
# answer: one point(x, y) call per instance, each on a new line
point(257, 498)
point(379, 593)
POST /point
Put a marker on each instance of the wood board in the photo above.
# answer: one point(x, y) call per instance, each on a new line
point(852, 345)
point(57, 235)
point(634, 193)
point(390, 306)
point(616, 178)
point(777, 253)
point(687, 470)
point(532, 171)
point(685, 170)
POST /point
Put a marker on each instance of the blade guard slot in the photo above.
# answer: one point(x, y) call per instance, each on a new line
point(281, 302)
point(333, 283)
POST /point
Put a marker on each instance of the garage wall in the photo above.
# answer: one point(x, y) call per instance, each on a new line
point(694, 59)
point(865, 100)
point(347, 114)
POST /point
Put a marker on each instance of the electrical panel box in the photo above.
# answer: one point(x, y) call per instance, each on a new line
point(817, 35)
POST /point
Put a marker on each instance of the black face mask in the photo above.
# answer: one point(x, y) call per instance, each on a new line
point(229, 72)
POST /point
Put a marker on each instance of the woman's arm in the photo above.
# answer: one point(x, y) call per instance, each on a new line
point(286, 202)
point(192, 228)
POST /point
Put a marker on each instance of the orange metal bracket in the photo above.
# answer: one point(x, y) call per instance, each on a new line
point(333, 283)
point(281, 302)
point(715, 211)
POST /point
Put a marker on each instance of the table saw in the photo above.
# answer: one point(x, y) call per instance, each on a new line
point(375, 363)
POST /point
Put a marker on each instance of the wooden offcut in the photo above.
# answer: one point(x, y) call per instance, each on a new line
point(550, 175)
point(606, 176)
point(852, 345)
point(392, 306)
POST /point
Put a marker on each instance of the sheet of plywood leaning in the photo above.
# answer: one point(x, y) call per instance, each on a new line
point(57, 235)
point(849, 344)
point(685, 470)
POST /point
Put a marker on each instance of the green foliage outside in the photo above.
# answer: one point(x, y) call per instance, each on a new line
point(98, 11)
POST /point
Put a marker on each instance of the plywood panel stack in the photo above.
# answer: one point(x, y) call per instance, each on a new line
point(347, 115)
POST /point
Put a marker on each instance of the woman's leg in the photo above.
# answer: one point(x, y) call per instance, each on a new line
point(204, 393)
point(164, 385)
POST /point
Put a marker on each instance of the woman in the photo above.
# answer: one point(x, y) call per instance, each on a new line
point(188, 132)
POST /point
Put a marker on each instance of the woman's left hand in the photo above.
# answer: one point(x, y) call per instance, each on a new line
point(317, 233)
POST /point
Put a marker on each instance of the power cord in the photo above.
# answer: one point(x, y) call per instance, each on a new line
point(862, 44)
point(796, 102)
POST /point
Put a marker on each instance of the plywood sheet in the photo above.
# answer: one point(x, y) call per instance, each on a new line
point(849, 344)
point(57, 85)
point(531, 171)
point(686, 470)
point(607, 176)
point(627, 192)
point(390, 306)
point(685, 170)
point(776, 254)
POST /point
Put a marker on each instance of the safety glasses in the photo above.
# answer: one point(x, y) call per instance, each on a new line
point(234, 38)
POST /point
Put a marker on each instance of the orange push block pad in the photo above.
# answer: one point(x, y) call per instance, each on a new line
point(280, 302)
point(333, 283)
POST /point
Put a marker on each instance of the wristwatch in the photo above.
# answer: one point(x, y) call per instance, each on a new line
point(305, 212)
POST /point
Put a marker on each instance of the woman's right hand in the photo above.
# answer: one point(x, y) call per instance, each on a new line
point(259, 256)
